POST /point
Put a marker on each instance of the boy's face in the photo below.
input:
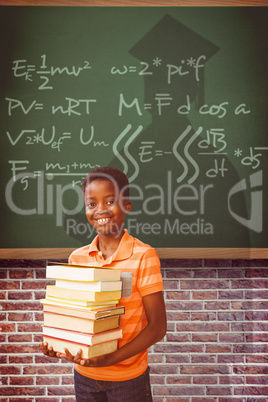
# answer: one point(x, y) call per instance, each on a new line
point(106, 208)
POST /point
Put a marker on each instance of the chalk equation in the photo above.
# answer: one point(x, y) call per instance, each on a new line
point(22, 69)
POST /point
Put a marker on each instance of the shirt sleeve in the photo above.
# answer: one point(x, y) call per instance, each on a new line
point(149, 278)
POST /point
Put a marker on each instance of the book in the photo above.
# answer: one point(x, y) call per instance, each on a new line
point(87, 351)
point(80, 324)
point(82, 273)
point(82, 337)
point(90, 312)
point(97, 286)
point(83, 303)
point(82, 295)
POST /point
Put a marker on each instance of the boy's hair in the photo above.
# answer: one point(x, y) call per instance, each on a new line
point(113, 175)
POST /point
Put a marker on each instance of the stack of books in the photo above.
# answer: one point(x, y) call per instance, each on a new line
point(80, 311)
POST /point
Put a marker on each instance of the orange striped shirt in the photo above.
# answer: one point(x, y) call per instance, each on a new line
point(142, 261)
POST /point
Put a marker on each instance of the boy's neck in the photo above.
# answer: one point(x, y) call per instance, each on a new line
point(107, 244)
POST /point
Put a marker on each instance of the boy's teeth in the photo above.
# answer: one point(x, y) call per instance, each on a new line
point(103, 220)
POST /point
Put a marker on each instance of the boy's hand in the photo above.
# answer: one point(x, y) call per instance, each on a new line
point(100, 361)
point(47, 351)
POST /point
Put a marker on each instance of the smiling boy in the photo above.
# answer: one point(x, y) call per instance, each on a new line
point(122, 375)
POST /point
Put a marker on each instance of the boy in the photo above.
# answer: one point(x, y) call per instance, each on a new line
point(122, 375)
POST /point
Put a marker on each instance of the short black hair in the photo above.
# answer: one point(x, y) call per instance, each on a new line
point(111, 174)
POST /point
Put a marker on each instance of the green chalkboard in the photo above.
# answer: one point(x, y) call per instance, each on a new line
point(176, 97)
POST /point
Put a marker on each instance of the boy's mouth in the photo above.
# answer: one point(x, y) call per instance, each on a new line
point(103, 221)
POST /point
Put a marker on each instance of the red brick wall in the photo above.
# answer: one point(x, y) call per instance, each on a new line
point(216, 347)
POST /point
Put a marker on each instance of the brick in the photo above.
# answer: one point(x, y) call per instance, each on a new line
point(257, 337)
point(7, 370)
point(3, 274)
point(180, 305)
point(66, 380)
point(261, 359)
point(173, 337)
point(205, 380)
point(3, 316)
point(177, 274)
point(5, 327)
point(218, 349)
point(21, 273)
point(20, 305)
point(204, 273)
point(173, 348)
point(250, 284)
point(256, 273)
point(249, 326)
point(199, 295)
point(179, 359)
point(221, 369)
point(178, 316)
point(21, 380)
point(204, 284)
point(231, 380)
point(36, 284)
point(231, 294)
point(206, 399)
point(231, 337)
point(249, 263)
point(48, 369)
point(39, 294)
point(30, 327)
point(21, 391)
point(202, 327)
point(9, 285)
point(163, 369)
point(217, 263)
point(219, 391)
point(235, 316)
point(179, 390)
point(2, 295)
point(40, 273)
point(250, 369)
point(206, 316)
point(20, 316)
point(256, 315)
point(254, 305)
point(46, 380)
point(39, 316)
point(231, 273)
point(262, 380)
point(204, 359)
point(251, 391)
point(170, 284)
point(14, 348)
point(177, 295)
point(256, 294)
point(3, 359)
point(23, 359)
point(204, 337)
point(250, 348)
point(182, 263)
point(20, 338)
point(60, 390)
point(20, 295)
point(178, 379)
point(217, 305)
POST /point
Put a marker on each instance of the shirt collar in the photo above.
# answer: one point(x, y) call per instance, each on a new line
point(123, 251)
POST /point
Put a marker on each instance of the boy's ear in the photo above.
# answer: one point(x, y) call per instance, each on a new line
point(128, 206)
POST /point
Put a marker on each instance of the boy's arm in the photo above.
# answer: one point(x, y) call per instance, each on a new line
point(155, 330)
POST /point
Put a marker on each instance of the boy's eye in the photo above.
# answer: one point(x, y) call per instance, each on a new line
point(91, 205)
point(111, 202)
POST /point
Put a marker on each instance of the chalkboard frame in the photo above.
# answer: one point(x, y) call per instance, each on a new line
point(164, 253)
